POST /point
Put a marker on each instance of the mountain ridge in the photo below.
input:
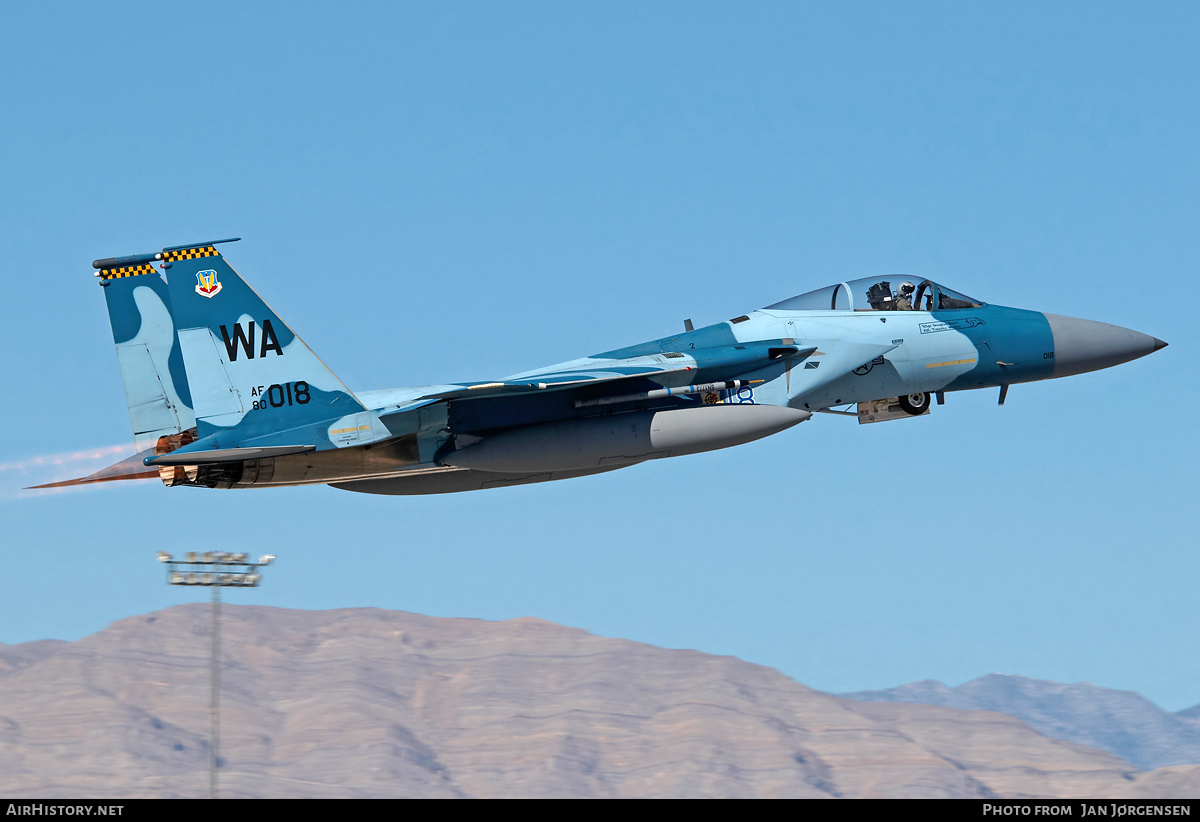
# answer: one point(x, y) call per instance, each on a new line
point(367, 702)
point(1122, 722)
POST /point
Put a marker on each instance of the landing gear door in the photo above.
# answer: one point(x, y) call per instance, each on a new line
point(894, 408)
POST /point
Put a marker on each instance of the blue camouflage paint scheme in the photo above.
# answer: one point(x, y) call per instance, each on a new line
point(157, 375)
point(279, 360)
point(282, 426)
point(123, 314)
point(708, 337)
point(209, 351)
point(178, 372)
point(235, 298)
point(126, 321)
point(1011, 335)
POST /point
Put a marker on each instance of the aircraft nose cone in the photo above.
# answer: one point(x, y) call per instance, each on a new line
point(1084, 345)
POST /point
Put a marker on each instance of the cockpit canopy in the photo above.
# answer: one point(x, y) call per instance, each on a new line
point(879, 294)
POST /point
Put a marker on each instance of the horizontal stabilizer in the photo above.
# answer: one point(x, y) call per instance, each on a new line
point(130, 468)
point(182, 457)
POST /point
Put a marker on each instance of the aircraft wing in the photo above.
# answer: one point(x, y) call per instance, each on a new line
point(668, 370)
point(553, 382)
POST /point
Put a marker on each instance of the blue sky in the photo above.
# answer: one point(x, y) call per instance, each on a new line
point(456, 191)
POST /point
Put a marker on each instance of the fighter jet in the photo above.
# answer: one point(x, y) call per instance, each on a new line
point(222, 393)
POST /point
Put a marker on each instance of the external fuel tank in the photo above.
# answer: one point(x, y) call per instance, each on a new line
point(622, 439)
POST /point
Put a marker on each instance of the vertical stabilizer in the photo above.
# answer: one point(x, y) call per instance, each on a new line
point(148, 351)
point(250, 376)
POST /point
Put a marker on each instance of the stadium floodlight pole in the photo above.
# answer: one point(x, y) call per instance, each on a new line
point(215, 570)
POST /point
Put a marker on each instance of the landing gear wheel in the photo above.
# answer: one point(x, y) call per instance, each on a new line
point(914, 404)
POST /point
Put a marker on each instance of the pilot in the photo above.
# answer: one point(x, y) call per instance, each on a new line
point(903, 301)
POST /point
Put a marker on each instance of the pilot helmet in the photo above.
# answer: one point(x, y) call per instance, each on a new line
point(907, 288)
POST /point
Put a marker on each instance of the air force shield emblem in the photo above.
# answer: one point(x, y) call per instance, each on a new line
point(207, 284)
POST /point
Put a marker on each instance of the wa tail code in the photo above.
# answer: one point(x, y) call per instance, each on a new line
point(245, 338)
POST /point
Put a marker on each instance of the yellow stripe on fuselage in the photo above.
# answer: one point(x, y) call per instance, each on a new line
point(951, 362)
